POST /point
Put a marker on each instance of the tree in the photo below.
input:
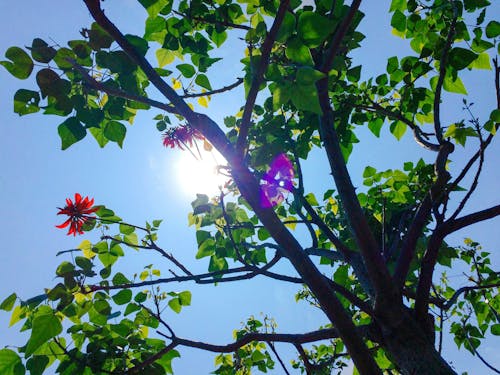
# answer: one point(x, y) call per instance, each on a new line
point(378, 247)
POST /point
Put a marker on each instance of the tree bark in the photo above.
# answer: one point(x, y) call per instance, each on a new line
point(410, 346)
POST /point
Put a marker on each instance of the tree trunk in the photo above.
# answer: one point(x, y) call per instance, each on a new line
point(412, 349)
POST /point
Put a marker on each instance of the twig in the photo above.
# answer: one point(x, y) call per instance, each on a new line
point(442, 72)
point(258, 75)
point(238, 82)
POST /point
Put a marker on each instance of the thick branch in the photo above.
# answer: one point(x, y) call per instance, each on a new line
point(258, 75)
point(422, 215)
point(476, 217)
point(198, 121)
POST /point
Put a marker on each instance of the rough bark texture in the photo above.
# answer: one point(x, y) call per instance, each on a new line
point(411, 347)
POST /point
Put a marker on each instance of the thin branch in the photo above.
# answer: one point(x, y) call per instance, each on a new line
point(305, 359)
point(238, 82)
point(417, 132)
point(273, 348)
point(112, 91)
point(422, 215)
point(214, 22)
point(340, 33)
point(259, 74)
point(442, 72)
point(448, 304)
point(479, 355)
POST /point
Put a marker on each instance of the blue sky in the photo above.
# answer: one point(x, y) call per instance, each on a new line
point(141, 182)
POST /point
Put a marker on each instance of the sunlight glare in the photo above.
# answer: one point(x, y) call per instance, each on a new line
point(200, 176)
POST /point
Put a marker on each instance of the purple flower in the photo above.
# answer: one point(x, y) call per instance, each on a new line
point(277, 182)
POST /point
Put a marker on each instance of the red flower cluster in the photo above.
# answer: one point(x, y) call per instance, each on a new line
point(179, 136)
point(78, 213)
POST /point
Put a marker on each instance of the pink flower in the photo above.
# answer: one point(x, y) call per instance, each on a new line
point(78, 213)
point(179, 136)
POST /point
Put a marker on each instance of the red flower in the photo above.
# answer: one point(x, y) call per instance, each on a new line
point(179, 136)
point(78, 213)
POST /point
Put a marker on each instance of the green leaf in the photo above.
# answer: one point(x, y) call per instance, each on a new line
point(10, 363)
point(218, 38)
point(398, 129)
point(369, 172)
point(460, 58)
point(9, 302)
point(98, 38)
point(41, 52)
point(139, 43)
point(375, 125)
point(115, 131)
point(140, 297)
point(26, 102)
point(185, 298)
point(126, 229)
point(187, 70)
point(202, 80)
point(495, 329)
point(354, 74)
point(313, 28)
point(122, 297)
point(37, 364)
point(153, 7)
point(70, 132)
point(98, 135)
point(120, 279)
point(482, 62)
point(306, 98)
point(308, 76)
point(175, 305)
point(164, 57)
point(298, 52)
point(398, 21)
point(166, 360)
point(44, 328)
point(493, 29)
point(398, 5)
point(20, 65)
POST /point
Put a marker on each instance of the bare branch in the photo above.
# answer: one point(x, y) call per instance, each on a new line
point(258, 75)
point(238, 82)
point(476, 217)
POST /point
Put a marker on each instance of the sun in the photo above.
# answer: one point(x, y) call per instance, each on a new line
point(201, 175)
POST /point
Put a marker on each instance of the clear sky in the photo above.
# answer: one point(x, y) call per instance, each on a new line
point(142, 182)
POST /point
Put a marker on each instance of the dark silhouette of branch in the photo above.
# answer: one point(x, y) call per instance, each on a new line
point(338, 37)
point(152, 246)
point(422, 215)
point(427, 270)
point(473, 218)
point(113, 91)
point(238, 82)
point(200, 122)
point(417, 132)
point(442, 72)
point(212, 22)
point(273, 349)
point(259, 74)
point(449, 303)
